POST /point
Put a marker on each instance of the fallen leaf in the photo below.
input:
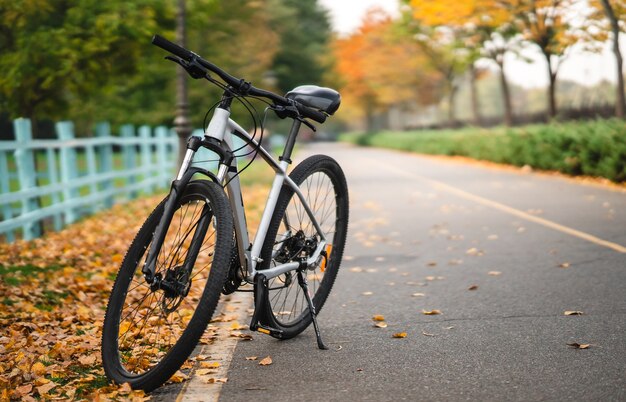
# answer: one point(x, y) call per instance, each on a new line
point(577, 345)
point(205, 371)
point(201, 357)
point(418, 295)
point(246, 337)
point(44, 389)
point(378, 317)
point(427, 334)
point(87, 360)
point(574, 312)
point(216, 380)
point(38, 368)
point(399, 335)
point(24, 389)
point(380, 324)
point(564, 265)
point(431, 312)
point(367, 293)
point(124, 389)
point(450, 327)
point(251, 358)
point(266, 361)
point(356, 269)
point(431, 263)
point(473, 287)
point(209, 364)
point(494, 273)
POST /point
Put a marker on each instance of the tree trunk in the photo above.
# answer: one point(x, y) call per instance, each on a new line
point(551, 88)
point(474, 94)
point(182, 125)
point(506, 96)
point(620, 101)
point(451, 109)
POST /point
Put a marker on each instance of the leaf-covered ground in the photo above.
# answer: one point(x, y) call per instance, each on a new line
point(53, 295)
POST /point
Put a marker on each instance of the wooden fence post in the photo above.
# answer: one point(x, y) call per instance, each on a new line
point(5, 188)
point(128, 157)
point(53, 178)
point(69, 168)
point(162, 163)
point(105, 155)
point(27, 174)
point(146, 157)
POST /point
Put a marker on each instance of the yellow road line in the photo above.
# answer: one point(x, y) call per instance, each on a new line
point(509, 210)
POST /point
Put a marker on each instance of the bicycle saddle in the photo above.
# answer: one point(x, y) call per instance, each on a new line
point(324, 99)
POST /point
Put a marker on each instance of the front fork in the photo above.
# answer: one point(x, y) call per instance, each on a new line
point(185, 174)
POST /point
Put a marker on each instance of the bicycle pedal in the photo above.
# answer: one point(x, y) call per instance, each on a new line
point(276, 333)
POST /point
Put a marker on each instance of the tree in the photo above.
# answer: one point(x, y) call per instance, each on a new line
point(380, 67)
point(545, 23)
point(482, 28)
point(304, 39)
point(615, 12)
point(54, 52)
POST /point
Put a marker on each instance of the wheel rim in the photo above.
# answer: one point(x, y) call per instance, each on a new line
point(295, 239)
point(153, 318)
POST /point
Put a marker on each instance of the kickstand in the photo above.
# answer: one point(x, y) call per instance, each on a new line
point(305, 288)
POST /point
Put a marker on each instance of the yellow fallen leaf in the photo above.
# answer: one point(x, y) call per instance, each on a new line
point(266, 361)
point(573, 312)
point(124, 389)
point(38, 368)
point(494, 273)
point(209, 364)
point(577, 345)
point(399, 335)
point(204, 371)
point(251, 358)
point(431, 312)
point(564, 265)
point(378, 317)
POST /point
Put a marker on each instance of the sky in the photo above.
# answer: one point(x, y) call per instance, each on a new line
point(582, 67)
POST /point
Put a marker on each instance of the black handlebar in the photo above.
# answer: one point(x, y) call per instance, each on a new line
point(240, 85)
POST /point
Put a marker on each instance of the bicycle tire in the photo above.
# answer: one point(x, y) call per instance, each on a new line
point(316, 176)
point(130, 355)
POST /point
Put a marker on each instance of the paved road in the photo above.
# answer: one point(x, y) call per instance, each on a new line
point(423, 232)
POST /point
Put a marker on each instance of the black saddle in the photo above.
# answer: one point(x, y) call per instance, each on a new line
point(324, 99)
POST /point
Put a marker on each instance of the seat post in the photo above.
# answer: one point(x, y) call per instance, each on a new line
point(291, 140)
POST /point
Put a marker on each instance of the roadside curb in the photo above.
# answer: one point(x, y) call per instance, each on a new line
point(207, 387)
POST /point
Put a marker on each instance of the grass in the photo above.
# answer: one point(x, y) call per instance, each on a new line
point(596, 148)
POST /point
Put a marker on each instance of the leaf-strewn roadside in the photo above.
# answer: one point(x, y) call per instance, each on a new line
point(53, 295)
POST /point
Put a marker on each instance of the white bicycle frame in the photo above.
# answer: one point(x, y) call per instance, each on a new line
point(222, 128)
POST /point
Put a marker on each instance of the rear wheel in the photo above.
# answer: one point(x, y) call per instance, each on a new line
point(150, 330)
point(292, 236)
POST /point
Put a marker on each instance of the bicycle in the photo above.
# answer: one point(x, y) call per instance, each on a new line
point(195, 245)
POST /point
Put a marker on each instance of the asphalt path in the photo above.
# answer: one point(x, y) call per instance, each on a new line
point(501, 254)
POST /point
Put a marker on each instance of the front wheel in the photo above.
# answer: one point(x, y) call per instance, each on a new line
point(150, 329)
point(291, 236)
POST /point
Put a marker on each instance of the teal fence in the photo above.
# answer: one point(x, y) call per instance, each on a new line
point(51, 183)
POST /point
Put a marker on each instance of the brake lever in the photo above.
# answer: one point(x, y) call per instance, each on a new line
point(193, 68)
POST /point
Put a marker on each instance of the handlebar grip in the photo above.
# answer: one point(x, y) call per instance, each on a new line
point(172, 47)
point(311, 113)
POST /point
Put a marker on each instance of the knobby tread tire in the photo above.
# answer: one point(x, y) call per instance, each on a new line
point(309, 166)
point(177, 355)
